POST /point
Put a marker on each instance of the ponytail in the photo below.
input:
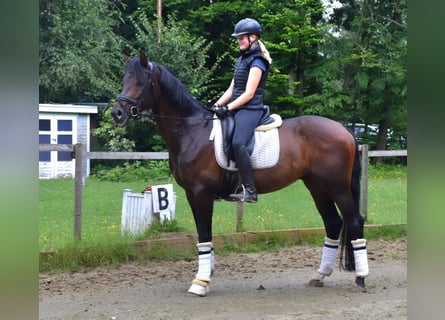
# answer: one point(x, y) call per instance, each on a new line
point(264, 51)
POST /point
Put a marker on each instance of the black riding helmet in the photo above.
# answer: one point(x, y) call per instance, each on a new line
point(247, 26)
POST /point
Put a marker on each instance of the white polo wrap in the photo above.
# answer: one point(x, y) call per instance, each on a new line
point(361, 257)
point(328, 256)
point(205, 261)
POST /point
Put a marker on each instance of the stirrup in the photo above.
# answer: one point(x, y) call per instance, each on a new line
point(243, 195)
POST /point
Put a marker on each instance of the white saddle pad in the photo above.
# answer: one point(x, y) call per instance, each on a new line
point(265, 153)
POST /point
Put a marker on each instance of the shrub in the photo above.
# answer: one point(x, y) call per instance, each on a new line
point(134, 171)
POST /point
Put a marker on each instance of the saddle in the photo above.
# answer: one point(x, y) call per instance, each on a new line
point(263, 148)
point(267, 122)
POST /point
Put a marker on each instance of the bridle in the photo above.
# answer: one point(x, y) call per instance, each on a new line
point(135, 104)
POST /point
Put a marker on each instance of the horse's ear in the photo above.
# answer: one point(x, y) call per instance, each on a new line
point(143, 59)
point(126, 58)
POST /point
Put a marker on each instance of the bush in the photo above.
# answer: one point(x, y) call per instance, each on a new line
point(134, 171)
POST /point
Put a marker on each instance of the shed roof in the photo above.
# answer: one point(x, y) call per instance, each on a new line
point(67, 108)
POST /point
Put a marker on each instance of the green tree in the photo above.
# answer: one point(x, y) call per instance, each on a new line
point(382, 77)
point(292, 32)
point(112, 137)
point(372, 63)
point(295, 31)
point(212, 21)
point(79, 51)
point(171, 45)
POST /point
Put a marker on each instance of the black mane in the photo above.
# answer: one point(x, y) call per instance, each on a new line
point(176, 89)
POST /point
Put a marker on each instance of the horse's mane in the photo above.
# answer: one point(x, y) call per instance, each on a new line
point(170, 83)
point(176, 89)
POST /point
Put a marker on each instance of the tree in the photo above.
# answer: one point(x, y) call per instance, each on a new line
point(382, 78)
point(373, 63)
point(294, 33)
point(184, 54)
point(79, 51)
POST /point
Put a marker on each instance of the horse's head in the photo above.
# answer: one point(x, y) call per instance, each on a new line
point(136, 83)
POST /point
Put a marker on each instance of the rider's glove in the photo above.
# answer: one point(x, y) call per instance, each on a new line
point(222, 112)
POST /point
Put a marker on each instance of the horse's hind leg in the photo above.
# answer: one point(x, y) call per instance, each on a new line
point(333, 224)
point(356, 258)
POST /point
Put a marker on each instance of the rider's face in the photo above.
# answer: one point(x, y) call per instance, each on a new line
point(243, 42)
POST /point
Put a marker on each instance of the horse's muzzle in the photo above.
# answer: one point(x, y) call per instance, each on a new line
point(119, 115)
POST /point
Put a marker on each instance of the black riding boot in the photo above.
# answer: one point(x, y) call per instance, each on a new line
point(246, 191)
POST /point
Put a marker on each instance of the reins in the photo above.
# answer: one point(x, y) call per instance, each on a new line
point(151, 115)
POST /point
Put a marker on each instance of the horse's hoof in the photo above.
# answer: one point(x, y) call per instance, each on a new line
point(359, 285)
point(198, 290)
point(315, 283)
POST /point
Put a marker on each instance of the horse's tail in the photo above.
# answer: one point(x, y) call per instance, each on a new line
point(348, 254)
point(355, 180)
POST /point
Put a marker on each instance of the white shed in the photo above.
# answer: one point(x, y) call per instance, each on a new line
point(63, 124)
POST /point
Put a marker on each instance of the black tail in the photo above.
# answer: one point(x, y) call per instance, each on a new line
point(348, 254)
point(356, 177)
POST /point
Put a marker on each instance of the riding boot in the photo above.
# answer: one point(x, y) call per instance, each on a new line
point(246, 191)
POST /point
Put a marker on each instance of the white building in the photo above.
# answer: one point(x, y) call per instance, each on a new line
point(63, 124)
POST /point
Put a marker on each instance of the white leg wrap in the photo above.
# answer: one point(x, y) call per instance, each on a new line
point(328, 257)
point(361, 257)
point(200, 285)
point(204, 261)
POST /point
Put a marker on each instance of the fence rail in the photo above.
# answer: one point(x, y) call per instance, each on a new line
point(386, 153)
point(128, 155)
point(79, 153)
point(56, 147)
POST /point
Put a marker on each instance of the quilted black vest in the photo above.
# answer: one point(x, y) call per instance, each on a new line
point(241, 75)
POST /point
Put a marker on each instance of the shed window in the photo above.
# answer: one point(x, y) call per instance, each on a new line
point(44, 125)
point(64, 139)
point(64, 125)
point(44, 155)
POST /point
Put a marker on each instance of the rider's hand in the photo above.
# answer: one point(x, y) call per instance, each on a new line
point(222, 112)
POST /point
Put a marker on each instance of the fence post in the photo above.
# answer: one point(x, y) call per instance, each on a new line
point(239, 216)
point(79, 151)
point(364, 182)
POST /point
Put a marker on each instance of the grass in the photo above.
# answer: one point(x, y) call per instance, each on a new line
point(102, 242)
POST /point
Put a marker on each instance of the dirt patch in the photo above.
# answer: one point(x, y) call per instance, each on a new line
point(266, 285)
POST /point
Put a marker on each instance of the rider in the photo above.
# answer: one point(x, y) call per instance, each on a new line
point(244, 100)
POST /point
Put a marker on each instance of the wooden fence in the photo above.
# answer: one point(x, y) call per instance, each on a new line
point(80, 154)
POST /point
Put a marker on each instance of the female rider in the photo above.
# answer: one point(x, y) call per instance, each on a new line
point(244, 100)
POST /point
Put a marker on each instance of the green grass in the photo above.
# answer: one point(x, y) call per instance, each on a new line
point(103, 244)
point(289, 208)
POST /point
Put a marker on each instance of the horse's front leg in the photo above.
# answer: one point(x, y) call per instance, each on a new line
point(202, 208)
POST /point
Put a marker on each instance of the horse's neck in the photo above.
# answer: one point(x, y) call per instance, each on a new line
point(181, 120)
point(180, 127)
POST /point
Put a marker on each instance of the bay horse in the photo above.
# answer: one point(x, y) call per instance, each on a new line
point(319, 151)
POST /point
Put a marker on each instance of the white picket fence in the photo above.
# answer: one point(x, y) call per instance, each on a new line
point(139, 210)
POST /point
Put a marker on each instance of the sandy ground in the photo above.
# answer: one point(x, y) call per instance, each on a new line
point(266, 285)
